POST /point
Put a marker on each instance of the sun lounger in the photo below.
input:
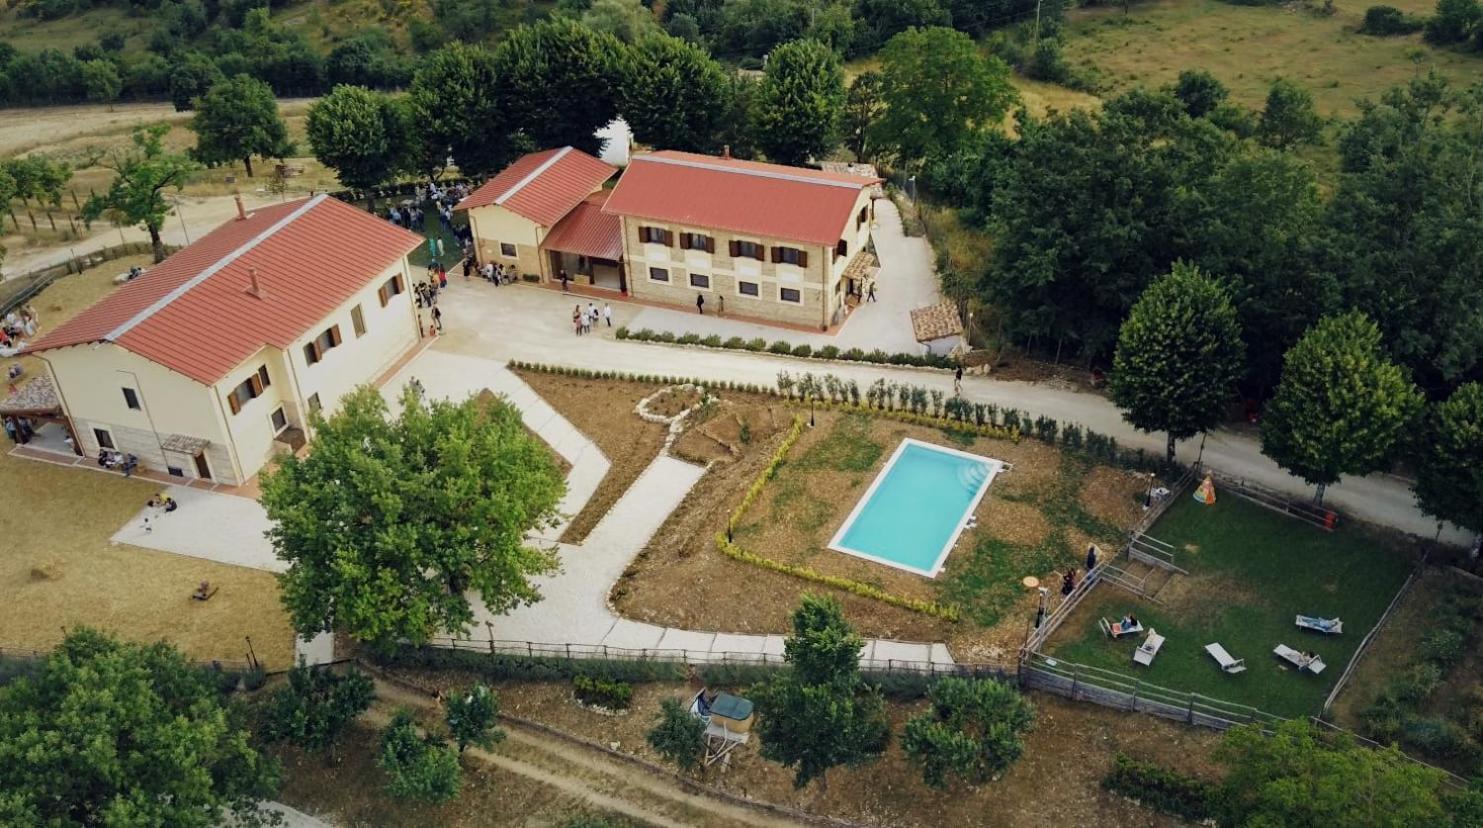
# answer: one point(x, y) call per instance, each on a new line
point(1224, 659)
point(1116, 629)
point(1148, 649)
point(1327, 626)
point(1313, 664)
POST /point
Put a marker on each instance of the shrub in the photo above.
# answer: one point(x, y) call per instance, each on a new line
point(1444, 647)
point(713, 341)
point(1438, 737)
point(781, 346)
point(1384, 21)
point(1162, 789)
point(803, 350)
point(471, 718)
point(758, 344)
point(734, 342)
point(664, 336)
point(678, 736)
point(1419, 682)
point(417, 767)
point(852, 355)
point(972, 731)
point(622, 332)
point(315, 707)
point(689, 339)
point(226, 680)
point(828, 352)
point(254, 679)
point(601, 692)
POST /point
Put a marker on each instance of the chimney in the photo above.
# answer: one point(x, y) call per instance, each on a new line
point(726, 151)
point(254, 289)
point(241, 211)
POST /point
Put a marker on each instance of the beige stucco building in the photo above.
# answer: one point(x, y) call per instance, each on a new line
point(209, 364)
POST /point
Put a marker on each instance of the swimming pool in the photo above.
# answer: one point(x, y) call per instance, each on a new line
point(913, 512)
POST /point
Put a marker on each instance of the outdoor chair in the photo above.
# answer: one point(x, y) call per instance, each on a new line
point(1115, 629)
point(1224, 659)
point(1148, 649)
point(1313, 664)
point(1327, 626)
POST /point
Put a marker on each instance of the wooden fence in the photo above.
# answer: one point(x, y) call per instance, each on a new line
point(1321, 517)
point(27, 660)
point(17, 290)
point(1369, 637)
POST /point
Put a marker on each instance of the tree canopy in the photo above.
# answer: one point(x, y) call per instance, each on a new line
point(112, 733)
point(418, 766)
point(1200, 92)
point(937, 88)
point(237, 119)
point(820, 714)
point(972, 730)
point(454, 99)
point(389, 524)
point(799, 102)
point(1341, 407)
point(359, 134)
point(143, 173)
point(1178, 356)
point(1449, 476)
point(678, 735)
point(472, 717)
point(1299, 776)
point(315, 707)
point(675, 96)
point(1289, 118)
point(557, 84)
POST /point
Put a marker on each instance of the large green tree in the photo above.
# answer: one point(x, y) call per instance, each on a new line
point(863, 106)
point(1341, 407)
point(1200, 92)
point(315, 707)
point(1178, 356)
point(389, 524)
point(1300, 776)
point(472, 717)
point(678, 735)
point(237, 119)
point(972, 730)
point(111, 733)
point(799, 102)
point(453, 98)
point(418, 766)
point(101, 80)
point(1402, 227)
point(358, 134)
point(938, 89)
point(1449, 471)
point(557, 83)
point(675, 95)
point(1289, 118)
point(142, 174)
point(820, 714)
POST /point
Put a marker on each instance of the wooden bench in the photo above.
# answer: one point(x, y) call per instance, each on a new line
point(1224, 659)
point(1313, 664)
point(1148, 649)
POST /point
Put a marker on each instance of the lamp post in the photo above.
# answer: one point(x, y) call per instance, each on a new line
point(181, 215)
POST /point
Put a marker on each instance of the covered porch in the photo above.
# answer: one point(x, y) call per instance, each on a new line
point(587, 245)
point(32, 416)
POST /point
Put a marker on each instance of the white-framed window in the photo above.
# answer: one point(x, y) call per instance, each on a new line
point(742, 249)
point(658, 274)
point(789, 255)
point(698, 241)
point(314, 351)
point(249, 389)
point(791, 295)
point(507, 250)
point(748, 288)
point(280, 420)
point(700, 280)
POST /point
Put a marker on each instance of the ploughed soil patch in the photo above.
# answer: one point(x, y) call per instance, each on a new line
point(603, 410)
point(1056, 781)
point(1031, 522)
point(669, 402)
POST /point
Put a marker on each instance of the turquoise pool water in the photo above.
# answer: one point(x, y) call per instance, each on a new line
point(915, 509)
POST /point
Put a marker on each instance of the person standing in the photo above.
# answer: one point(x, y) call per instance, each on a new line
point(871, 296)
point(721, 305)
point(564, 280)
point(607, 313)
point(958, 380)
point(700, 303)
point(1091, 557)
point(577, 319)
point(438, 318)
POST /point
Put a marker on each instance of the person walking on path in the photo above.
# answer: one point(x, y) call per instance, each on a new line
point(700, 303)
point(958, 380)
point(607, 313)
point(720, 305)
point(438, 318)
point(1091, 557)
point(871, 296)
point(564, 279)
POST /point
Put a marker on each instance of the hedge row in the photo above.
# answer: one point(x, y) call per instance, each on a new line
point(530, 668)
point(782, 347)
point(601, 692)
point(629, 376)
point(1162, 789)
point(767, 474)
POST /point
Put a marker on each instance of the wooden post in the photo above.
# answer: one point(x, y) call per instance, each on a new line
point(1191, 708)
point(1075, 676)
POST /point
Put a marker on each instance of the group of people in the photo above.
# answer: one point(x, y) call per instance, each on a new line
point(20, 324)
point(584, 318)
point(19, 430)
point(118, 461)
point(492, 272)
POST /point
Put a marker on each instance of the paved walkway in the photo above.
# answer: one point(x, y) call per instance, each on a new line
point(907, 280)
point(218, 527)
point(533, 324)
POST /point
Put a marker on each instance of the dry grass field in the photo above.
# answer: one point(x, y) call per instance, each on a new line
point(1246, 47)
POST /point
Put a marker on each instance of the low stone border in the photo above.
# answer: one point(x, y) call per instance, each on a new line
point(676, 423)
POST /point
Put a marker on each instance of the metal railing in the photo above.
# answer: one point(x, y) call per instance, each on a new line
point(1152, 551)
point(18, 289)
point(1053, 620)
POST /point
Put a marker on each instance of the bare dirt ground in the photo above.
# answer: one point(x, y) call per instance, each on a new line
point(59, 569)
point(603, 411)
point(1055, 782)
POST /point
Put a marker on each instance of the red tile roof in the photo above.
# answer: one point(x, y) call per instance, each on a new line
point(746, 197)
point(193, 314)
point(588, 231)
point(542, 186)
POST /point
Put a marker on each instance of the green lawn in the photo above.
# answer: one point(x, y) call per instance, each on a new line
point(1251, 571)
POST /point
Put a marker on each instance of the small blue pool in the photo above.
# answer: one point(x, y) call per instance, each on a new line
point(913, 512)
